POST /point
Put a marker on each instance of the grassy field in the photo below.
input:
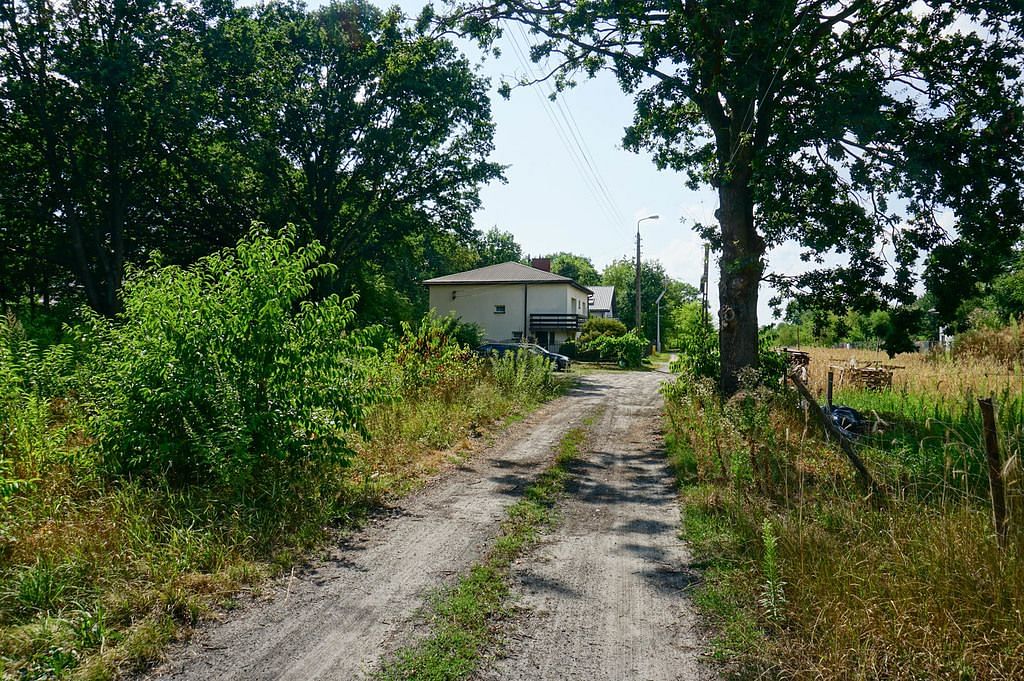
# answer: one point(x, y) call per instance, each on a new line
point(807, 578)
point(95, 578)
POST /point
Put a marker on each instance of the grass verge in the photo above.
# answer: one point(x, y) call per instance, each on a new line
point(805, 578)
point(465, 619)
point(97, 578)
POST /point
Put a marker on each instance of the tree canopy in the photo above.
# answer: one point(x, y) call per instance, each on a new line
point(577, 267)
point(496, 246)
point(653, 280)
point(871, 129)
point(174, 124)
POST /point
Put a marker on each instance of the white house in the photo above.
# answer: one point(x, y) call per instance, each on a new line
point(511, 300)
point(602, 301)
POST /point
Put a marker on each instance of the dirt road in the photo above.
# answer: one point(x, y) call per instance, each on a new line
point(604, 596)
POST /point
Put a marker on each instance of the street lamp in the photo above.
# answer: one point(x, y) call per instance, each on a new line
point(637, 311)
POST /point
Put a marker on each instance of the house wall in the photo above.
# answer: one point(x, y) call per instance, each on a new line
point(476, 304)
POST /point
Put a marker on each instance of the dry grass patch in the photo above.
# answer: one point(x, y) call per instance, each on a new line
point(807, 579)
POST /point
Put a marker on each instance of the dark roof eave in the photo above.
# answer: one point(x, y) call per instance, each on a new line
point(529, 282)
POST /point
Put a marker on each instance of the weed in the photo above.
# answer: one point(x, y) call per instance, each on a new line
point(773, 600)
point(919, 589)
point(98, 571)
point(463, 619)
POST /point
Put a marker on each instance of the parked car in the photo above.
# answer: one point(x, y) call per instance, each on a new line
point(561, 362)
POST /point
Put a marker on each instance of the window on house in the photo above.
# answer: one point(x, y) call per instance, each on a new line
point(499, 309)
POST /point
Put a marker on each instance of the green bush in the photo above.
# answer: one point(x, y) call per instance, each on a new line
point(438, 355)
point(222, 371)
point(699, 354)
point(628, 350)
point(600, 326)
point(697, 341)
point(579, 350)
point(524, 374)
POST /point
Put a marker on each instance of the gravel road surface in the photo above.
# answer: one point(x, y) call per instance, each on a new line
point(604, 597)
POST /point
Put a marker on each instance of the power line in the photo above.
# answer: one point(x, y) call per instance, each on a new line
point(580, 141)
point(563, 137)
point(573, 143)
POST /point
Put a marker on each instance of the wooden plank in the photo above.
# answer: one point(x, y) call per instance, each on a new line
point(995, 471)
point(874, 490)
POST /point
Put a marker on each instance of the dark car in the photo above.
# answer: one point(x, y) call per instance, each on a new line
point(561, 362)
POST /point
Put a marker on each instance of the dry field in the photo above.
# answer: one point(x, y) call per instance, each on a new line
point(929, 374)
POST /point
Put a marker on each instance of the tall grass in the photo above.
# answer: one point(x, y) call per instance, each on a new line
point(808, 579)
point(101, 565)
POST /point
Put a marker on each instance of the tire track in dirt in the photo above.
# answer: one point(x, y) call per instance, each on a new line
point(605, 595)
point(335, 618)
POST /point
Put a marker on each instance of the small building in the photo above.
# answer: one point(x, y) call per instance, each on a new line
point(512, 301)
point(602, 301)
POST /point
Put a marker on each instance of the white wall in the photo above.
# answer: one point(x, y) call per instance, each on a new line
point(475, 303)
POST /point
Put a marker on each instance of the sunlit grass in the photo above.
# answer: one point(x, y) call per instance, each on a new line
point(916, 589)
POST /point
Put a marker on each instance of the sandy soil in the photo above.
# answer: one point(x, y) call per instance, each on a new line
point(604, 598)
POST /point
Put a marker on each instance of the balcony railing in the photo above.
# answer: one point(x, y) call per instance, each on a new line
point(556, 322)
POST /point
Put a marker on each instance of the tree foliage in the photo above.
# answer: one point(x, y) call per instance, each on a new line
point(653, 280)
point(857, 127)
point(173, 124)
point(577, 267)
point(496, 246)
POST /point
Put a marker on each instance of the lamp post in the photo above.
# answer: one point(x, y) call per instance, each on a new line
point(637, 311)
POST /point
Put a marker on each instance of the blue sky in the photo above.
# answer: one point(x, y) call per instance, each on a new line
point(548, 203)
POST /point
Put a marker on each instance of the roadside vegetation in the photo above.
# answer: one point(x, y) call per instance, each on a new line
point(607, 340)
point(465, 619)
point(806, 575)
point(155, 465)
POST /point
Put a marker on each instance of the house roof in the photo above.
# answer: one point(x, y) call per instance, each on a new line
point(602, 298)
point(504, 273)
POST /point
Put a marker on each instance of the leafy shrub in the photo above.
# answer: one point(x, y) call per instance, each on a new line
point(771, 364)
point(600, 326)
point(628, 350)
point(699, 356)
point(438, 355)
point(697, 341)
point(222, 371)
point(524, 374)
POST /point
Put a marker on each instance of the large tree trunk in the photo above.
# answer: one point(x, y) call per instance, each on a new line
point(741, 268)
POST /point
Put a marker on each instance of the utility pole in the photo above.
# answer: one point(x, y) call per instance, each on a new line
point(657, 304)
point(704, 287)
point(637, 311)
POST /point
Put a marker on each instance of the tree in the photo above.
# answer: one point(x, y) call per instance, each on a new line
point(622, 275)
point(495, 247)
point(577, 267)
point(174, 124)
point(104, 113)
point(849, 126)
point(376, 133)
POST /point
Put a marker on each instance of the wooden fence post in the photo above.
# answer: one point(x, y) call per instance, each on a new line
point(995, 470)
point(828, 398)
